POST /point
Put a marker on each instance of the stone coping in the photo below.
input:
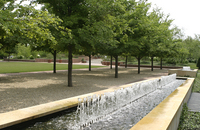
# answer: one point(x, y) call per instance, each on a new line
point(18, 116)
point(21, 115)
point(184, 73)
point(167, 114)
point(155, 66)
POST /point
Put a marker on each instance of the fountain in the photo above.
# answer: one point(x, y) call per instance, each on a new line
point(185, 72)
point(115, 108)
point(91, 109)
point(100, 111)
point(187, 68)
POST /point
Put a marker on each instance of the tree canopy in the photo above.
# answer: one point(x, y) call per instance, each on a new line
point(108, 27)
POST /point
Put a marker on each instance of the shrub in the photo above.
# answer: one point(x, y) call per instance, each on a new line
point(198, 63)
point(38, 56)
point(171, 61)
point(31, 57)
point(20, 57)
point(144, 62)
point(191, 60)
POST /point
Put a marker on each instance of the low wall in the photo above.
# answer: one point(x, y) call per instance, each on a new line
point(183, 73)
point(50, 60)
point(74, 60)
point(155, 66)
point(108, 63)
point(19, 60)
point(167, 114)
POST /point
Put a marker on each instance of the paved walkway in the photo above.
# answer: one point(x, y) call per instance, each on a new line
point(194, 102)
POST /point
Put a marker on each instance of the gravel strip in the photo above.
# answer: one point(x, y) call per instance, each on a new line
point(29, 89)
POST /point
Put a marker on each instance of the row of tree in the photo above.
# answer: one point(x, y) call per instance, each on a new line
point(89, 27)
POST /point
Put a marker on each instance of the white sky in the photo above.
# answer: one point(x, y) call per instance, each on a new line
point(184, 12)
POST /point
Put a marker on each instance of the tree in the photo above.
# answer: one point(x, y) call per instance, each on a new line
point(104, 30)
point(21, 24)
point(137, 44)
point(59, 33)
point(74, 14)
point(159, 34)
point(193, 46)
point(119, 28)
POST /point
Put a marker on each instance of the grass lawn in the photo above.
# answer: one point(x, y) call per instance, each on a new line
point(17, 67)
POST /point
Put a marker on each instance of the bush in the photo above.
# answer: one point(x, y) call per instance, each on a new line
point(198, 63)
point(20, 57)
point(185, 61)
point(156, 59)
point(31, 57)
point(131, 59)
point(144, 62)
point(191, 60)
point(38, 56)
point(171, 61)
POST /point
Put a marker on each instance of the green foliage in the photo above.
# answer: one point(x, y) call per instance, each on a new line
point(196, 86)
point(42, 54)
point(192, 65)
point(20, 57)
point(192, 60)
point(31, 57)
point(189, 120)
point(193, 46)
point(2, 54)
point(198, 63)
point(24, 51)
point(183, 116)
point(49, 56)
point(25, 24)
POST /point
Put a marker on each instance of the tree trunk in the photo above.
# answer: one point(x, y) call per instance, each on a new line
point(89, 62)
point(138, 65)
point(151, 63)
point(111, 62)
point(54, 63)
point(116, 66)
point(70, 67)
point(126, 61)
point(161, 63)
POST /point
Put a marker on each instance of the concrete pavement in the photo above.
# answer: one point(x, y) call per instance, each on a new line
point(194, 102)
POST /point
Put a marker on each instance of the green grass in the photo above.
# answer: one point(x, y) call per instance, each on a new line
point(196, 86)
point(17, 67)
point(192, 65)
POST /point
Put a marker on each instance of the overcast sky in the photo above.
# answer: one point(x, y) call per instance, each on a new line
point(186, 14)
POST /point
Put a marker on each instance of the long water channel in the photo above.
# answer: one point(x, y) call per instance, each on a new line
point(119, 110)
